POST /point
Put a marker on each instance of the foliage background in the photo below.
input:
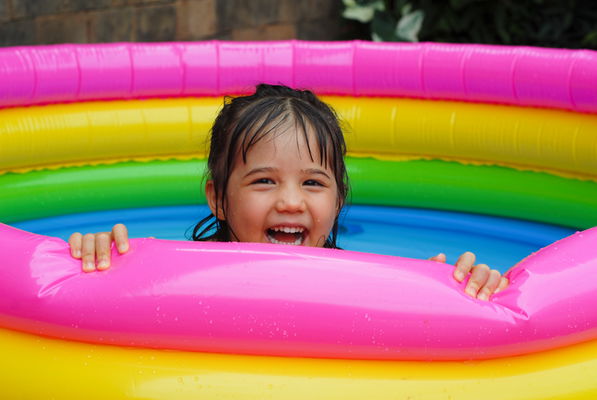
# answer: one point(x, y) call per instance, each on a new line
point(550, 23)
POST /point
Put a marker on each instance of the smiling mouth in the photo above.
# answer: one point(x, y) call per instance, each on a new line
point(286, 235)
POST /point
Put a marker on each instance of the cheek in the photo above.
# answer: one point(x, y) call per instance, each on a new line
point(245, 210)
point(327, 211)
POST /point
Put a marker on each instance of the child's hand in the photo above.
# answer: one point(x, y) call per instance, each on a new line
point(483, 281)
point(94, 248)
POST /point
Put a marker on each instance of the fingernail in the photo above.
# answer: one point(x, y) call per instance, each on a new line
point(471, 291)
point(122, 248)
point(459, 275)
point(483, 296)
point(88, 267)
point(77, 254)
point(103, 264)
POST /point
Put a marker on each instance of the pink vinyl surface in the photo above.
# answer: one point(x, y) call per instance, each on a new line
point(524, 76)
point(296, 301)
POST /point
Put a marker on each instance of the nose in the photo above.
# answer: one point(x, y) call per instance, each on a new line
point(291, 199)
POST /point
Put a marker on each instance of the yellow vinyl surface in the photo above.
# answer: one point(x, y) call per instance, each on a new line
point(83, 133)
point(34, 367)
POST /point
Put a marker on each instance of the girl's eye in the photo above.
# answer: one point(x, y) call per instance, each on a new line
point(312, 182)
point(263, 181)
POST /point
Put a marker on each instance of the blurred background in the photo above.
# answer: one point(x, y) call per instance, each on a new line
point(553, 23)
point(90, 21)
point(548, 23)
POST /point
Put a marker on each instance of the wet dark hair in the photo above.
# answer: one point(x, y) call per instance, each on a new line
point(244, 121)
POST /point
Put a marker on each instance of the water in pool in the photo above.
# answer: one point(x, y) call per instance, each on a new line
point(416, 233)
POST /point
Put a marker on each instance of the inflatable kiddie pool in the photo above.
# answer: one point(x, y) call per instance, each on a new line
point(500, 131)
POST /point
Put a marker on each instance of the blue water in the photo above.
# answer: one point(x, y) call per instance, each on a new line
point(416, 233)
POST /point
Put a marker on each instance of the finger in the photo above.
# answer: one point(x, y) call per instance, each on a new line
point(502, 285)
point(103, 241)
point(464, 265)
point(75, 242)
point(441, 257)
point(479, 277)
point(121, 238)
point(88, 252)
point(490, 286)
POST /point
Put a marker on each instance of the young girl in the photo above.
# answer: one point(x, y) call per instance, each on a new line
point(276, 175)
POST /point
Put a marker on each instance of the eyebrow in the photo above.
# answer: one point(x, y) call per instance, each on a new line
point(315, 171)
point(259, 170)
point(309, 171)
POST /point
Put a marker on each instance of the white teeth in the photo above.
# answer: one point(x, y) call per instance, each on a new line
point(288, 229)
point(297, 242)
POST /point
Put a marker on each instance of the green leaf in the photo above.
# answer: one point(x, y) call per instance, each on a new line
point(362, 13)
point(376, 38)
point(409, 26)
point(383, 27)
point(398, 5)
point(590, 40)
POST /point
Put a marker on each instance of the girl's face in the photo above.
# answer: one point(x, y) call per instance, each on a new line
point(280, 195)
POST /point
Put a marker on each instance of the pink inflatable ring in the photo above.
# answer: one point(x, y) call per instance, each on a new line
point(289, 301)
